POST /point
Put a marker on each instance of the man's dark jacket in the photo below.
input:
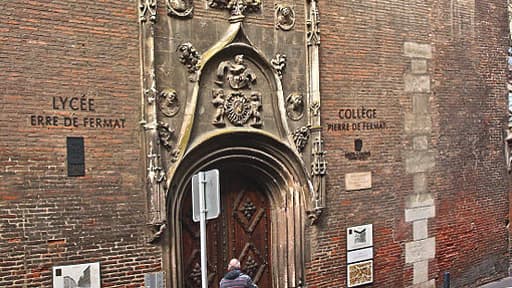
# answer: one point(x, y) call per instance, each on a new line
point(236, 279)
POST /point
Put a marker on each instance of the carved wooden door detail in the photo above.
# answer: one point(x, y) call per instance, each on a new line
point(242, 231)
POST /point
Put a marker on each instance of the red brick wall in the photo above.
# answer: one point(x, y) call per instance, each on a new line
point(71, 49)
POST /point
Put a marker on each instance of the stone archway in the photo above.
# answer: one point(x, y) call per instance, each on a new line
point(270, 168)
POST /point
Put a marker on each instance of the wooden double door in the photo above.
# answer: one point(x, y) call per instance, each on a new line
point(242, 231)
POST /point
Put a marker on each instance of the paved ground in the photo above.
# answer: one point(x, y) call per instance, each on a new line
point(503, 283)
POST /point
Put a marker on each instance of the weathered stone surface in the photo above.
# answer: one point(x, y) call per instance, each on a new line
point(416, 83)
point(417, 123)
point(420, 229)
point(420, 272)
point(419, 66)
point(415, 50)
point(419, 213)
point(426, 284)
point(419, 161)
point(420, 250)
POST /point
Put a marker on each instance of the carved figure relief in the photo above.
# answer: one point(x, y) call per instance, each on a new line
point(236, 72)
point(180, 8)
point(218, 102)
point(295, 106)
point(189, 57)
point(147, 9)
point(235, 105)
point(285, 17)
point(279, 64)
point(255, 109)
point(168, 102)
point(301, 137)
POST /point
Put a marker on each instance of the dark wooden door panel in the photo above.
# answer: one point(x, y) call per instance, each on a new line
point(242, 231)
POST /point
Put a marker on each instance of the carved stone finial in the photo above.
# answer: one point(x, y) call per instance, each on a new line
point(180, 8)
point(284, 17)
point(147, 9)
point(237, 7)
point(168, 102)
point(295, 106)
point(189, 57)
point(279, 64)
point(313, 26)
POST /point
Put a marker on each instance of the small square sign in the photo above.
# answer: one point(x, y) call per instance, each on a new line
point(359, 237)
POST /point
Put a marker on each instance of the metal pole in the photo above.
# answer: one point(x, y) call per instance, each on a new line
point(202, 219)
point(446, 280)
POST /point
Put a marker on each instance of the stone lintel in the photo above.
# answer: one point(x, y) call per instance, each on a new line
point(420, 250)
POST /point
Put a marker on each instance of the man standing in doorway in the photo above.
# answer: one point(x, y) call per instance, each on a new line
point(235, 278)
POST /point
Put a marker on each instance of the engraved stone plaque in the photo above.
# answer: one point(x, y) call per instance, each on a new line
point(358, 181)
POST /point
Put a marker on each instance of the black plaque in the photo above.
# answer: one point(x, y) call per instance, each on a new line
point(76, 156)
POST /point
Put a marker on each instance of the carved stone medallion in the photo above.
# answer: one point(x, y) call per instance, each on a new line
point(238, 108)
point(295, 106)
point(180, 8)
point(285, 17)
point(168, 102)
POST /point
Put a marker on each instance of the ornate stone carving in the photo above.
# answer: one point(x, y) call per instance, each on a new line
point(238, 75)
point(155, 183)
point(147, 9)
point(237, 7)
point(168, 102)
point(189, 57)
point(285, 17)
point(180, 8)
point(218, 102)
point(157, 230)
point(279, 64)
point(255, 109)
point(165, 134)
point(238, 108)
point(312, 25)
point(295, 106)
point(319, 165)
point(315, 108)
point(301, 137)
point(151, 92)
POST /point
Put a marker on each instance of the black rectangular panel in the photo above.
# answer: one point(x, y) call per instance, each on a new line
point(76, 156)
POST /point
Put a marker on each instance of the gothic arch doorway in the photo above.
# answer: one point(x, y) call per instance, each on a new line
point(263, 191)
point(242, 231)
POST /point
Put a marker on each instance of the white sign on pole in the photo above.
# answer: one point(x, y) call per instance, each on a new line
point(212, 195)
point(205, 205)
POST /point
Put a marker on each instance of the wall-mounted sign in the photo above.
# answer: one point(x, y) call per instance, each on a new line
point(358, 153)
point(360, 273)
point(81, 275)
point(356, 119)
point(359, 237)
point(359, 255)
point(358, 181)
point(66, 111)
